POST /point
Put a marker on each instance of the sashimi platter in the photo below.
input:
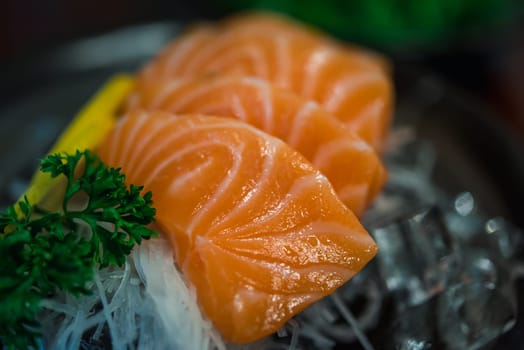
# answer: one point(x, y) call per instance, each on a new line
point(247, 187)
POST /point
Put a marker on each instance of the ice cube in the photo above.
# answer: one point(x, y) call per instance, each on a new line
point(480, 306)
point(416, 256)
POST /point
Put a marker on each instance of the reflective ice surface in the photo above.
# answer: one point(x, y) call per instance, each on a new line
point(444, 277)
point(449, 270)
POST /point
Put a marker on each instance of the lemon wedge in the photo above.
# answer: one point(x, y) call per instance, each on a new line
point(88, 128)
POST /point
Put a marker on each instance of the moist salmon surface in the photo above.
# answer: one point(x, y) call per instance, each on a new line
point(351, 83)
point(350, 164)
point(256, 229)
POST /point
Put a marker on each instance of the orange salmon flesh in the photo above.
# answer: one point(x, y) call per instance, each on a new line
point(350, 164)
point(256, 228)
point(351, 83)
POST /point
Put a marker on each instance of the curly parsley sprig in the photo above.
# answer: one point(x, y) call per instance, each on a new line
point(43, 253)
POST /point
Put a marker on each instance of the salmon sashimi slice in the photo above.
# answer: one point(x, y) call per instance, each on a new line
point(279, 24)
point(350, 164)
point(256, 229)
point(347, 83)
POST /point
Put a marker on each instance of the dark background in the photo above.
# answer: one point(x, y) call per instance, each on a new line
point(483, 64)
point(487, 62)
point(33, 25)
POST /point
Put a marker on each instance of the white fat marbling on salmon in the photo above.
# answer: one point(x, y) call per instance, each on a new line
point(307, 270)
point(174, 137)
point(257, 62)
point(223, 188)
point(369, 121)
point(197, 92)
point(327, 151)
point(113, 141)
point(312, 66)
point(288, 282)
point(223, 199)
point(371, 112)
point(177, 155)
point(128, 143)
point(255, 101)
point(316, 62)
point(133, 100)
point(312, 232)
point(167, 89)
point(270, 149)
point(159, 145)
point(141, 143)
point(212, 57)
point(186, 179)
point(346, 87)
point(201, 58)
point(274, 210)
point(173, 58)
point(238, 107)
point(183, 51)
point(300, 120)
point(264, 91)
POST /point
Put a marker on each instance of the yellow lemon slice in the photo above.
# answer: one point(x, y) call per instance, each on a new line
point(87, 129)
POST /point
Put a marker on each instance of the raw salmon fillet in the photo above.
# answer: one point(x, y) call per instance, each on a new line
point(266, 22)
point(350, 164)
point(349, 83)
point(256, 229)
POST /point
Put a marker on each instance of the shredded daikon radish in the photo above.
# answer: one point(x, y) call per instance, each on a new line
point(144, 305)
point(176, 303)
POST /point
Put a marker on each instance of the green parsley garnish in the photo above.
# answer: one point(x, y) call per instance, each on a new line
point(43, 253)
